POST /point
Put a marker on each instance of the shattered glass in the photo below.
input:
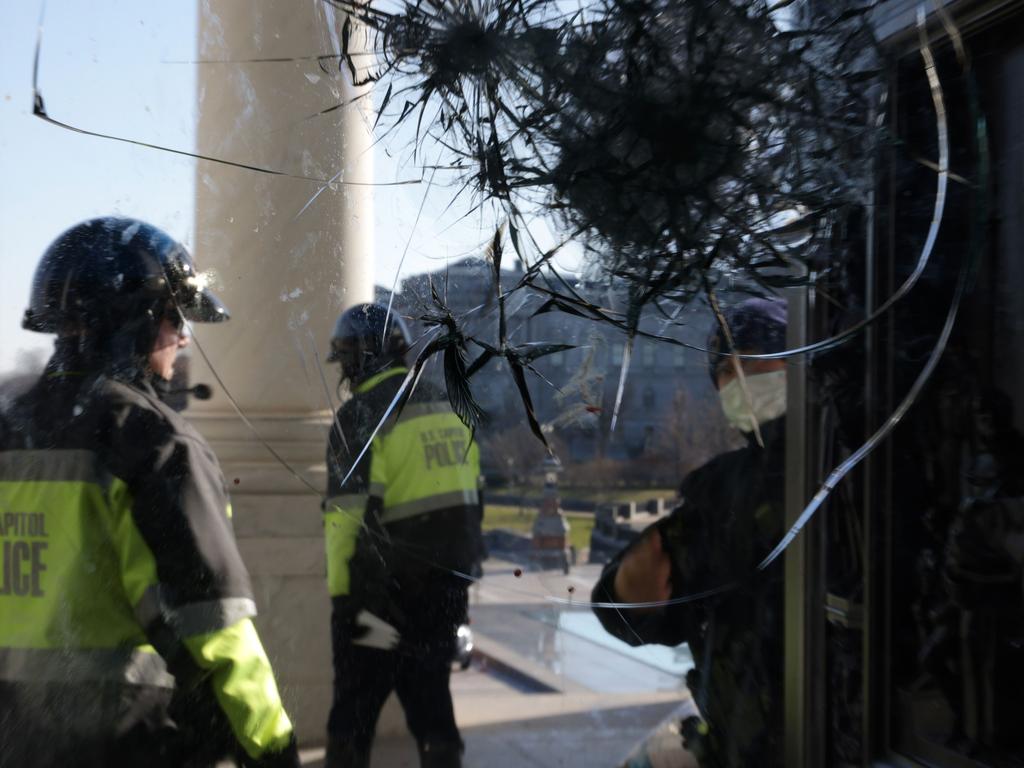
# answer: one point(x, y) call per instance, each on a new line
point(514, 479)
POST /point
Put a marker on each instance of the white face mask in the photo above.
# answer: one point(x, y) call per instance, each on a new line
point(767, 396)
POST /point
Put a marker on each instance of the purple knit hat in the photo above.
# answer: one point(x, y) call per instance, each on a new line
point(757, 325)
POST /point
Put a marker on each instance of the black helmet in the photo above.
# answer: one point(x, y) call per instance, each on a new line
point(108, 282)
point(106, 272)
point(368, 339)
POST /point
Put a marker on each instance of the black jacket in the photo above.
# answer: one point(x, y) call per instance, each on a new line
point(730, 517)
point(150, 550)
point(392, 557)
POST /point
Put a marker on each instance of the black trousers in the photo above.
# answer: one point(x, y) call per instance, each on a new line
point(427, 613)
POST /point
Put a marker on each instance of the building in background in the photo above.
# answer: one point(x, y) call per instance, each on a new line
point(668, 416)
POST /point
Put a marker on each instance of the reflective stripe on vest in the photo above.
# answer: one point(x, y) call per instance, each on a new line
point(193, 618)
point(467, 497)
point(120, 665)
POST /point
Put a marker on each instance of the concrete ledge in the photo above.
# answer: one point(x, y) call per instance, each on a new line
point(534, 675)
point(472, 712)
point(220, 423)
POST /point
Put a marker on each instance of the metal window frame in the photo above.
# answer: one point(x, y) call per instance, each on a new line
point(897, 31)
point(805, 694)
point(804, 592)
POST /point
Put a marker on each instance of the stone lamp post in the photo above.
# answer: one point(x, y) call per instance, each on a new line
point(550, 529)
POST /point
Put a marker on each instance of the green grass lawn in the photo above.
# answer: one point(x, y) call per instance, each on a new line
point(510, 519)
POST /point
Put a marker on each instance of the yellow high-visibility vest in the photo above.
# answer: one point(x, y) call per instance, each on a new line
point(422, 461)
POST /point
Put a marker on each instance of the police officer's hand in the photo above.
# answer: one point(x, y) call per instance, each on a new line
point(645, 573)
point(373, 632)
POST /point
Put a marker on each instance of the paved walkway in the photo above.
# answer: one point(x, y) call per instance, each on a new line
point(592, 737)
point(544, 691)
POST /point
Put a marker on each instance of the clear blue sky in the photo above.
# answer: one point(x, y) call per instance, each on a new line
point(100, 68)
point(107, 66)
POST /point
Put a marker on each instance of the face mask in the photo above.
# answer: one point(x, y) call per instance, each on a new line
point(767, 396)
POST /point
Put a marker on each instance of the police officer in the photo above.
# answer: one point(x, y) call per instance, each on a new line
point(730, 517)
point(126, 634)
point(397, 523)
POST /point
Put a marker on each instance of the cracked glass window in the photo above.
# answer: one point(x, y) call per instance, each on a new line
point(510, 382)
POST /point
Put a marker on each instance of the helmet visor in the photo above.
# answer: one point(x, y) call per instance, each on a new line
point(191, 290)
point(203, 306)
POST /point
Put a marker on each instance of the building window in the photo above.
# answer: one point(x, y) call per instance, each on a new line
point(648, 355)
point(650, 397)
point(618, 349)
point(678, 356)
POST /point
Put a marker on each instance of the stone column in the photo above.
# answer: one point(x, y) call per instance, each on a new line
point(285, 273)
